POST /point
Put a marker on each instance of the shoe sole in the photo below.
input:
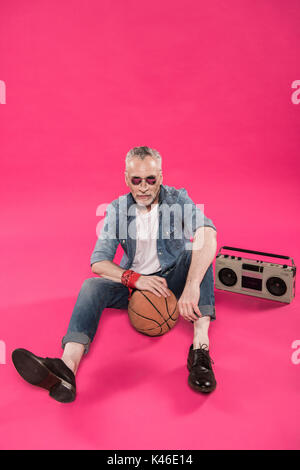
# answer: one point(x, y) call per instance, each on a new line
point(35, 372)
point(197, 388)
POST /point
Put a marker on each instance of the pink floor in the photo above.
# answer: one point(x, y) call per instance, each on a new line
point(208, 84)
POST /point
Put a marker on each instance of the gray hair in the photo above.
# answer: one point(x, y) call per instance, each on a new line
point(142, 153)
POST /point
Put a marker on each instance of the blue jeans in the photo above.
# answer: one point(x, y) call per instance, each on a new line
point(98, 293)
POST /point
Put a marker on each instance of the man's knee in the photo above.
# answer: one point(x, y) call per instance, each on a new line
point(95, 284)
point(97, 290)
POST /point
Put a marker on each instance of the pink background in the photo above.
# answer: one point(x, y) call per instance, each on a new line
point(208, 84)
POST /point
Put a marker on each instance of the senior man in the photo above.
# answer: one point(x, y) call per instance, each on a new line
point(154, 223)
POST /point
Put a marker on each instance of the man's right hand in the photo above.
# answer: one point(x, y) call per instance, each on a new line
point(156, 284)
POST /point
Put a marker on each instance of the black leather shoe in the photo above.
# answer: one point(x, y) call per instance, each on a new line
point(201, 378)
point(51, 374)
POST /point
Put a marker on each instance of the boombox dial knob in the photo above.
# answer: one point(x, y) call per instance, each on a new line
point(227, 276)
point(276, 286)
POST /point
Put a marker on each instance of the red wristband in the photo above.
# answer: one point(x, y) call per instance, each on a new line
point(133, 278)
point(129, 278)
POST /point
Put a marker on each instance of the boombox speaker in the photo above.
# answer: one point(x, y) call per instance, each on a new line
point(254, 277)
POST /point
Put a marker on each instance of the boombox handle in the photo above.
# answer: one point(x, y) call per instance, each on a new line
point(256, 253)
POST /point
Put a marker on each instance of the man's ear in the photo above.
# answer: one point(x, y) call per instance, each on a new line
point(126, 176)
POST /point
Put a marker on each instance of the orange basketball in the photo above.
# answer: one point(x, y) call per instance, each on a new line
point(152, 315)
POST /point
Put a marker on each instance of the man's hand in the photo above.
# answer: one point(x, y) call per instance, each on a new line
point(188, 302)
point(156, 284)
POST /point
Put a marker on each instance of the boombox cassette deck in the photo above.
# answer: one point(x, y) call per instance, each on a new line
point(268, 280)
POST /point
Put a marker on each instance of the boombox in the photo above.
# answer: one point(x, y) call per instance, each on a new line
point(254, 277)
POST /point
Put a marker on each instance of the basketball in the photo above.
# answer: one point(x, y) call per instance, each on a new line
point(152, 315)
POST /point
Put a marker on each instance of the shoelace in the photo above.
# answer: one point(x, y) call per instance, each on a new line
point(202, 357)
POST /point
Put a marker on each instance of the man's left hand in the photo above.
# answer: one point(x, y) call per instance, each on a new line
point(188, 302)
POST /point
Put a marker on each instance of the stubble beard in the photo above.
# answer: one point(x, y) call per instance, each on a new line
point(148, 206)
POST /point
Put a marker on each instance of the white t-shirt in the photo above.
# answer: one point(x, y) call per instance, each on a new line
point(146, 260)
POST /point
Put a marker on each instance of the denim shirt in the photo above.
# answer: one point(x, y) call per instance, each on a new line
point(179, 218)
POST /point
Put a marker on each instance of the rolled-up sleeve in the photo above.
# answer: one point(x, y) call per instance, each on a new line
point(193, 216)
point(107, 243)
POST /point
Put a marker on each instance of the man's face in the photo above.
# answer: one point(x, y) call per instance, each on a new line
point(137, 168)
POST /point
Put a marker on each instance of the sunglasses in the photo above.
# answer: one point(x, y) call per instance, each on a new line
point(136, 180)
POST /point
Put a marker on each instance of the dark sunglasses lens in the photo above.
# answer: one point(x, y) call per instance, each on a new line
point(151, 180)
point(136, 180)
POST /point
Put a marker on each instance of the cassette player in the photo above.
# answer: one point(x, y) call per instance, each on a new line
point(255, 277)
